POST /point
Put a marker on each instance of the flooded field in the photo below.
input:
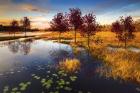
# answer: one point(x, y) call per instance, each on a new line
point(39, 66)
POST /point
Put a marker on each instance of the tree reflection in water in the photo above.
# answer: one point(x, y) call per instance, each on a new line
point(20, 46)
point(13, 46)
point(60, 53)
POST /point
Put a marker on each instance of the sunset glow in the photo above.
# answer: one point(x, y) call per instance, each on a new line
point(42, 11)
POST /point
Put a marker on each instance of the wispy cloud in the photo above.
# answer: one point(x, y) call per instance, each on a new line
point(8, 5)
point(112, 5)
point(32, 8)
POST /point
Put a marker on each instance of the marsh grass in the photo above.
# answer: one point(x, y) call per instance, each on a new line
point(120, 64)
point(70, 65)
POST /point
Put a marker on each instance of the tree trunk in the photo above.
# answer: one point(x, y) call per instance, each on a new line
point(25, 31)
point(125, 41)
point(9, 33)
point(88, 40)
point(75, 34)
point(14, 34)
point(125, 44)
point(59, 36)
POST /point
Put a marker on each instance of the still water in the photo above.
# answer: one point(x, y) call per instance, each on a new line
point(32, 66)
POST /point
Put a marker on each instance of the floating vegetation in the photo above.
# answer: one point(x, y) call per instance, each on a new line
point(68, 88)
point(53, 81)
point(18, 71)
point(36, 77)
point(47, 83)
point(12, 72)
point(19, 89)
point(6, 89)
point(73, 78)
point(56, 81)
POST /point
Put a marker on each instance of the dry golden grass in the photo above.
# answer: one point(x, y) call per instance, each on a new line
point(70, 65)
point(110, 38)
point(123, 64)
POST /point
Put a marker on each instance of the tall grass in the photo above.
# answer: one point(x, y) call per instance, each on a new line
point(121, 64)
point(70, 65)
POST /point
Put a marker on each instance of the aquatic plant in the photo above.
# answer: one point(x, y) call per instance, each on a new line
point(18, 89)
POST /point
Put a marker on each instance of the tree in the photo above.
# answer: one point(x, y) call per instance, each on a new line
point(26, 23)
point(59, 23)
point(89, 26)
point(124, 29)
point(14, 26)
point(75, 19)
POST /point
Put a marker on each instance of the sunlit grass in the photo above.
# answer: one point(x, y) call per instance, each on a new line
point(120, 64)
point(70, 65)
point(123, 63)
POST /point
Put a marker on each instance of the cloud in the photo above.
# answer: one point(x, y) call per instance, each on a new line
point(7, 6)
point(111, 5)
point(32, 8)
point(10, 10)
point(39, 22)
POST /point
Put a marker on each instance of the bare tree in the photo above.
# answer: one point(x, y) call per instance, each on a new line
point(75, 19)
point(59, 23)
point(89, 26)
point(26, 23)
point(14, 25)
point(124, 29)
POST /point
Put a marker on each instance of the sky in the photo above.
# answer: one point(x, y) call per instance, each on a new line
point(41, 12)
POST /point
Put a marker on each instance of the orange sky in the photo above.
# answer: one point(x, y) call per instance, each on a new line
point(41, 12)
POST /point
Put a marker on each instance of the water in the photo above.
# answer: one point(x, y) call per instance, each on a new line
point(132, 49)
point(32, 66)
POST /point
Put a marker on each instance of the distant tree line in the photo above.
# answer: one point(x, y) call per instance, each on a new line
point(24, 25)
point(85, 24)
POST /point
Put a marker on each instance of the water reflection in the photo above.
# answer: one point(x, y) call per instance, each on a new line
point(13, 46)
point(16, 46)
point(46, 63)
point(26, 47)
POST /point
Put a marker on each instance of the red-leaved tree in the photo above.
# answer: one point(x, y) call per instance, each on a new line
point(124, 29)
point(59, 23)
point(26, 24)
point(75, 19)
point(14, 26)
point(89, 26)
